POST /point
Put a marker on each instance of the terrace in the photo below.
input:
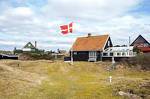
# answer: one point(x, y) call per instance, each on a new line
point(119, 52)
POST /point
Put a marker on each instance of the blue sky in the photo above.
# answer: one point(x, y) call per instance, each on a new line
point(39, 20)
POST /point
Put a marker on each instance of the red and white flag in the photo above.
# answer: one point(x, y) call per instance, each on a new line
point(65, 29)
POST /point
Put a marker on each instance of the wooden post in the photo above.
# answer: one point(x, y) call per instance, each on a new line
point(110, 79)
point(113, 60)
point(101, 53)
point(112, 68)
point(55, 56)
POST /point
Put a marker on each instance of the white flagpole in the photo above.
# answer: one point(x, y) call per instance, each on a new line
point(72, 48)
point(71, 57)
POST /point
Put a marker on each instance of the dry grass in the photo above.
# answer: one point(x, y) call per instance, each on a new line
point(83, 80)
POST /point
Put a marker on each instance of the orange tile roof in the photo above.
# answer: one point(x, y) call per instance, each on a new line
point(91, 43)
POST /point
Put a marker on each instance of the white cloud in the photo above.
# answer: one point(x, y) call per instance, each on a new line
point(21, 11)
point(23, 23)
point(89, 9)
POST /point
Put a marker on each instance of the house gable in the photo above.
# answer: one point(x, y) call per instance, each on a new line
point(108, 43)
point(29, 45)
point(140, 41)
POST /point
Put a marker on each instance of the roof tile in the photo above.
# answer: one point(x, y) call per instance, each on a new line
point(90, 43)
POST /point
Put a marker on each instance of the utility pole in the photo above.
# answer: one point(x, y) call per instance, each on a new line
point(129, 40)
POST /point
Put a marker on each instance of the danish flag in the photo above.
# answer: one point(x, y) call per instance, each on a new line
point(65, 29)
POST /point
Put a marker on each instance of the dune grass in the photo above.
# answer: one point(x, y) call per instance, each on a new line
point(82, 80)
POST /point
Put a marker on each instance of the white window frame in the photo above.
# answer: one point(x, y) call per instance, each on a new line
point(108, 43)
point(92, 54)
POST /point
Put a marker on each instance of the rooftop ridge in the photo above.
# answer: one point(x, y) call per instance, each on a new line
point(93, 36)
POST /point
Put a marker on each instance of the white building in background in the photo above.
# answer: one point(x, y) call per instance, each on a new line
point(29, 47)
point(119, 52)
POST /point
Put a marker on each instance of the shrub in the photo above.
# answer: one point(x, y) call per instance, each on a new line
point(141, 61)
point(35, 56)
point(137, 50)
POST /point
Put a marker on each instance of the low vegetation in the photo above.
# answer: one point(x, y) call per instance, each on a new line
point(6, 52)
point(36, 56)
point(82, 80)
point(140, 62)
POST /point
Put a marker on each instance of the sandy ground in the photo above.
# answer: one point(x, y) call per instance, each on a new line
point(14, 80)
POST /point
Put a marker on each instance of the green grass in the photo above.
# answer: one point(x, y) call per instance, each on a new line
point(83, 80)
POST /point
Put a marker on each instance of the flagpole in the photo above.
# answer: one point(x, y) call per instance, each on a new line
point(71, 57)
point(70, 30)
point(65, 29)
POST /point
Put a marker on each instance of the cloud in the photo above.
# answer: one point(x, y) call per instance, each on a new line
point(89, 9)
point(22, 21)
point(21, 11)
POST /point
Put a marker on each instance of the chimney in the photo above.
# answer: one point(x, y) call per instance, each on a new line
point(89, 34)
point(35, 44)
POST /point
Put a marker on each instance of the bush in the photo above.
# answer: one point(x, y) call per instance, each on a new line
point(141, 61)
point(35, 56)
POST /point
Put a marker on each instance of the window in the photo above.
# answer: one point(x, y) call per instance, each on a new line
point(105, 54)
point(123, 54)
point(75, 53)
point(108, 43)
point(145, 45)
point(111, 54)
point(130, 53)
point(92, 54)
point(118, 54)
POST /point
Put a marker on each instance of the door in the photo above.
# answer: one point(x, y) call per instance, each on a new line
point(92, 56)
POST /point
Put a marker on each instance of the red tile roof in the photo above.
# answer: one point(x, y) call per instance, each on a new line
point(90, 43)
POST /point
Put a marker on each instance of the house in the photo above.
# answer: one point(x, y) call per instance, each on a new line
point(140, 41)
point(60, 54)
point(141, 44)
point(61, 51)
point(90, 48)
point(6, 56)
point(99, 48)
point(29, 47)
